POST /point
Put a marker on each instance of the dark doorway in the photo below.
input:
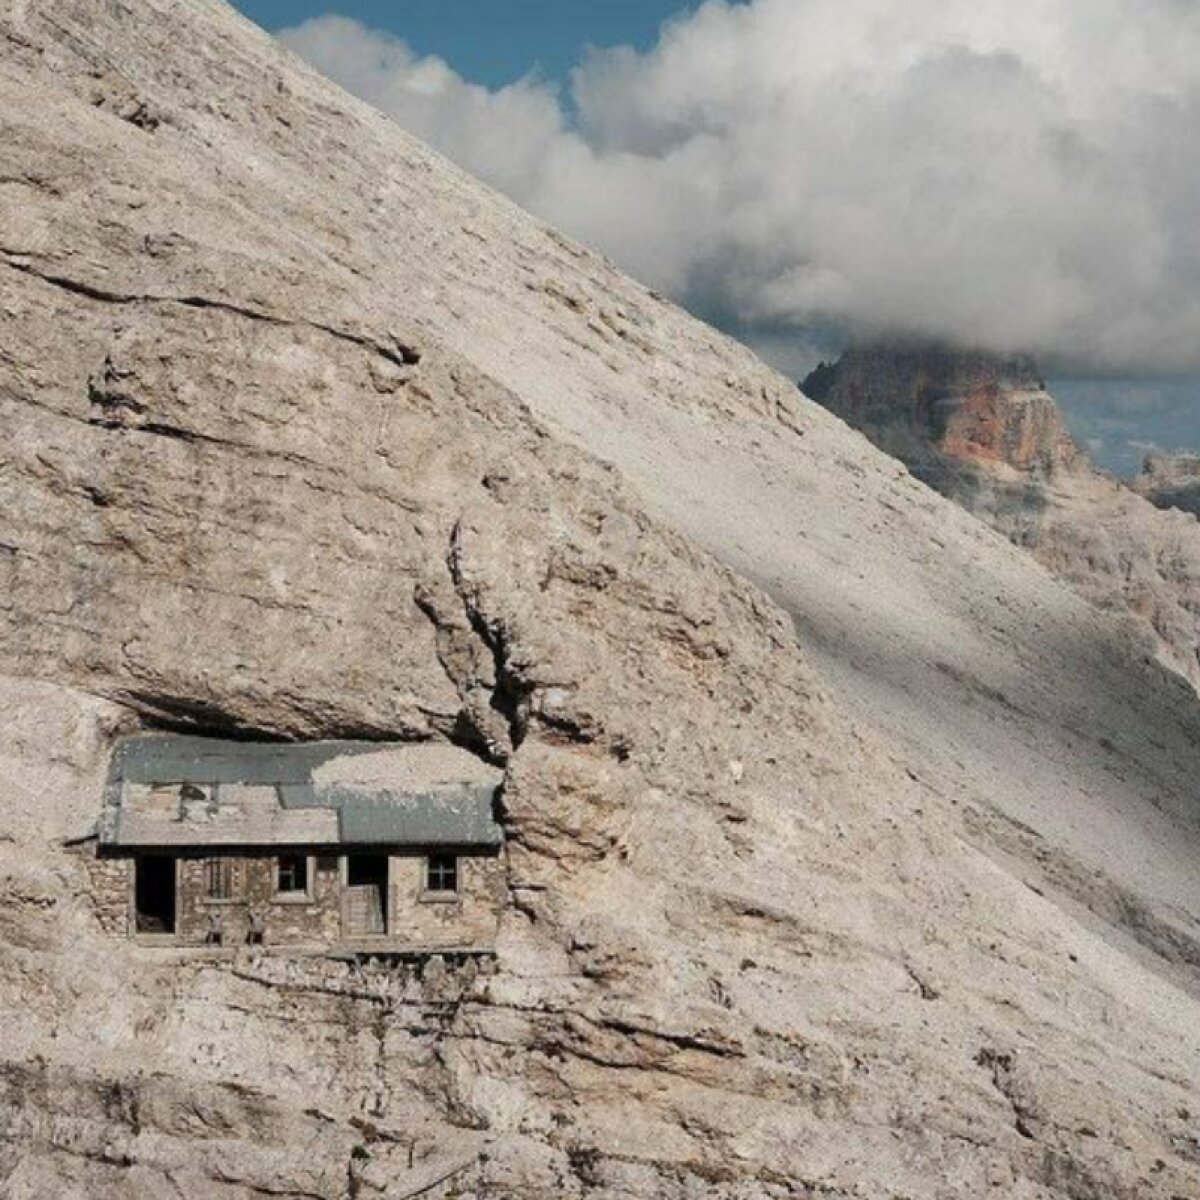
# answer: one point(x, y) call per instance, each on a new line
point(154, 894)
point(366, 911)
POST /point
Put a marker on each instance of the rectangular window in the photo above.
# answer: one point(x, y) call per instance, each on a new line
point(441, 873)
point(218, 878)
point(293, 875)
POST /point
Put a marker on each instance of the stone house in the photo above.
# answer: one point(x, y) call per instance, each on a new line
point(337, 846)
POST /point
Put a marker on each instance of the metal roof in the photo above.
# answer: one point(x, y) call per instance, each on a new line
point(175, 791)
point(185, 758)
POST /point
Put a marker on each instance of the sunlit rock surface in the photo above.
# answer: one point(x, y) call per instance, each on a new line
point(848, 853)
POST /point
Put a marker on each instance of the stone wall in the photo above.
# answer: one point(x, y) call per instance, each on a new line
point(416, 918)
point(291, 919)
point(469, 918)
point(108, 884)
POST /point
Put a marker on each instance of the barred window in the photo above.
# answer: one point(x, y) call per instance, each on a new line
point(293, 874)
point(218, 878)
point(441, 873)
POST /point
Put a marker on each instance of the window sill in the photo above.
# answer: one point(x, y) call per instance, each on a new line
point(220, 901)
point(291, 898)
point(439, 897)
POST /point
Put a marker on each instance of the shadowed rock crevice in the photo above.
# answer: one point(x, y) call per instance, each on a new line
point(1001, 1067)
point(510, 694)
point(393, 349)
point(182, 714)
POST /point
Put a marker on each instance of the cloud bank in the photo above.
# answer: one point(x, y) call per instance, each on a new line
point(1022, 175)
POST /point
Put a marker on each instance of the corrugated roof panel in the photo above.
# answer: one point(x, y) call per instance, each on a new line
point(169, 790)
point(448, 818)
point(175, 758)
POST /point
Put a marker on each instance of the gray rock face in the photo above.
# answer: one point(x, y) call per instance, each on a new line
point(1171, 481)
point(309, 435)
point(987, 434)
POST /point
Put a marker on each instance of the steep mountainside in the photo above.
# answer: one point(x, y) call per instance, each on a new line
point(987, 434)
point(848, 853)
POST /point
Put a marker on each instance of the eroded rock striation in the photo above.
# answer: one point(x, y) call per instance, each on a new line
point(838, 858)
point(986, 433)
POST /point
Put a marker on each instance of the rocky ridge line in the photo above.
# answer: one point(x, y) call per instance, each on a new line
point(986, 433)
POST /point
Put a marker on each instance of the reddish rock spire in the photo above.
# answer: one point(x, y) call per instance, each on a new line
point(967, 405)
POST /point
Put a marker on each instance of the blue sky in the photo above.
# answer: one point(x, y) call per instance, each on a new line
point(492, 42)
point(806, 172)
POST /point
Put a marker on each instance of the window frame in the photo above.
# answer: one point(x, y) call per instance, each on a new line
point(224, 866)
point(432, 869)
point(294, 895)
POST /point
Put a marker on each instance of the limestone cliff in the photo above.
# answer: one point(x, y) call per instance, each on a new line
point(847, 854)
point(987, 434)
point(968, 407)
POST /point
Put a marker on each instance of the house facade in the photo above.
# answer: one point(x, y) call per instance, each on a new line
point(336, 846)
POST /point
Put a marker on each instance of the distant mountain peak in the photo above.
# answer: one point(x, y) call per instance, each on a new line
point(1170, 481)
point(983, 430)
point(969, 406)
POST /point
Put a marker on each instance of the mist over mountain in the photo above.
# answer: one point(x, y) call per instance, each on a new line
point(1017, 177)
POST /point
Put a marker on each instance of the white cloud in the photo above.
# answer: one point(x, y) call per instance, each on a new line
point(1020, 174)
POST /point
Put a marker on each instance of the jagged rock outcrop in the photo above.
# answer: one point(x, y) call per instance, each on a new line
point(848, 854)
point(985, 432)
point(968, 407)
point(1170, 481)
